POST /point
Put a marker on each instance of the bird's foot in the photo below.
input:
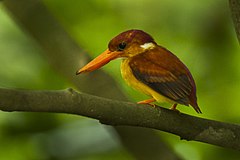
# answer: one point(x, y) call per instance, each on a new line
point(148, 101)
point(174, 108)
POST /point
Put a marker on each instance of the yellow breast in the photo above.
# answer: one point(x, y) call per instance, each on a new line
point(128, 76)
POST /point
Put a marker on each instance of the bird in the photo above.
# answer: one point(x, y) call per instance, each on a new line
point(149, 68)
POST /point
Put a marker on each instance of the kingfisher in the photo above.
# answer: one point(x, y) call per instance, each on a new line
point(149, 68)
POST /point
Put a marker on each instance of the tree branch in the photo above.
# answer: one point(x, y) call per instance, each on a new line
point(235, 9)
point(117, 113)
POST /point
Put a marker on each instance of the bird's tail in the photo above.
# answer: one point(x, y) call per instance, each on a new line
point(196, 107)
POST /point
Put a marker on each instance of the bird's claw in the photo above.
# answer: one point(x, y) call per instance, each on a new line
point(148, 101)
point(174, 108)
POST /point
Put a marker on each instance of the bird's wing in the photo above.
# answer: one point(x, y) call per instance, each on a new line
point(167, 76)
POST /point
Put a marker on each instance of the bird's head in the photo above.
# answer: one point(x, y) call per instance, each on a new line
point(126, 44)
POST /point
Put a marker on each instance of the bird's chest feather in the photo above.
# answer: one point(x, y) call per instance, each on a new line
point(131, 80)
point(129, 77)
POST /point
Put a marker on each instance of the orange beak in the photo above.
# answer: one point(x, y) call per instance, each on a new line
point(99, 61)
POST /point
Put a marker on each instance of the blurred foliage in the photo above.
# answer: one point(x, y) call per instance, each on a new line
point(201, 34)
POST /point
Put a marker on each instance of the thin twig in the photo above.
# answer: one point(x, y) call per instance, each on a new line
point(235, 9)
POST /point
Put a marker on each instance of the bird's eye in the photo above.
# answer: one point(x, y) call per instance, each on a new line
point(122, 46)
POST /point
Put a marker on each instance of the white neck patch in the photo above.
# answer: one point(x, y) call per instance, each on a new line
point(149, 45)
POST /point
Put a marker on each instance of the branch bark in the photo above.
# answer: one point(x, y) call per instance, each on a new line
point(119, 113)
